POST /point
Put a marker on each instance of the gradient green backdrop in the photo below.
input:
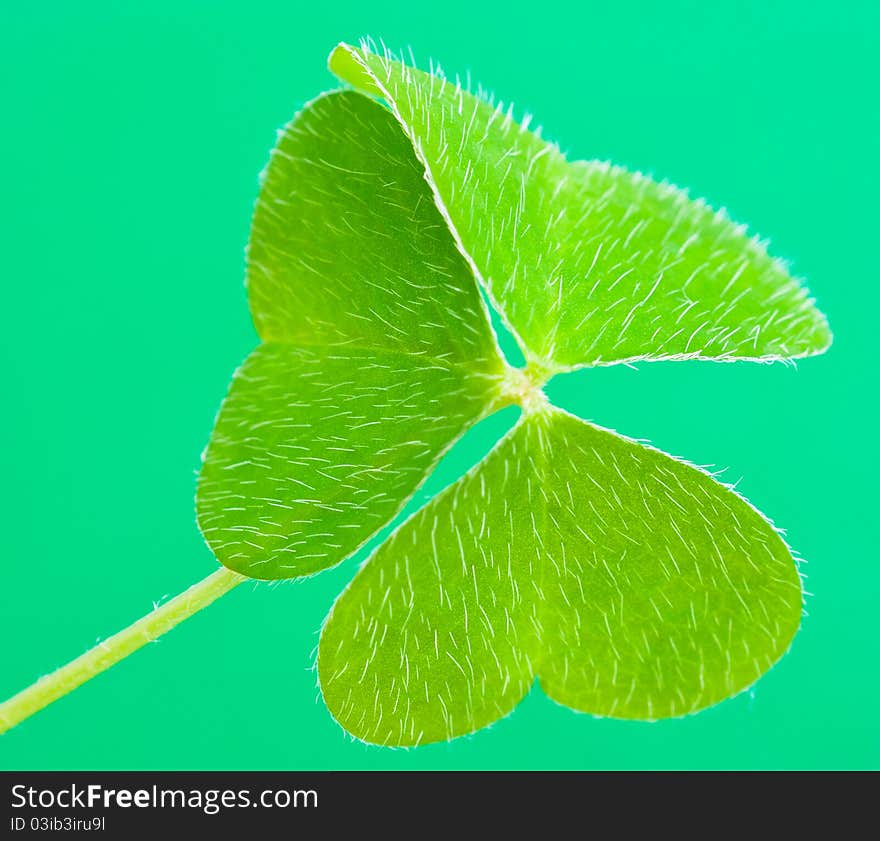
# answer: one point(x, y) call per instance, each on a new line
point(132, 138)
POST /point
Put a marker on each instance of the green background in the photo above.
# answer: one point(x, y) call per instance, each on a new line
point(132, 138)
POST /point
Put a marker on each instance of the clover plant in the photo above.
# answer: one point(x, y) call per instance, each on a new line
point(627, 582)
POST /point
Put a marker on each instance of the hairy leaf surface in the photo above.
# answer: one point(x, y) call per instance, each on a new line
point(590, 264)
point(378, 353)
point(631, 584)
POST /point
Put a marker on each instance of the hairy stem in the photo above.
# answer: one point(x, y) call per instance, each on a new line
point(163, 618)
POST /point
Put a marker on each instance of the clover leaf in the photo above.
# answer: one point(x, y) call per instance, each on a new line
point(377, 350)
point(588, 263)
point(627, 582)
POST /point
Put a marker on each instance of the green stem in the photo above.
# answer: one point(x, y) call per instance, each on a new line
point(55, 685)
